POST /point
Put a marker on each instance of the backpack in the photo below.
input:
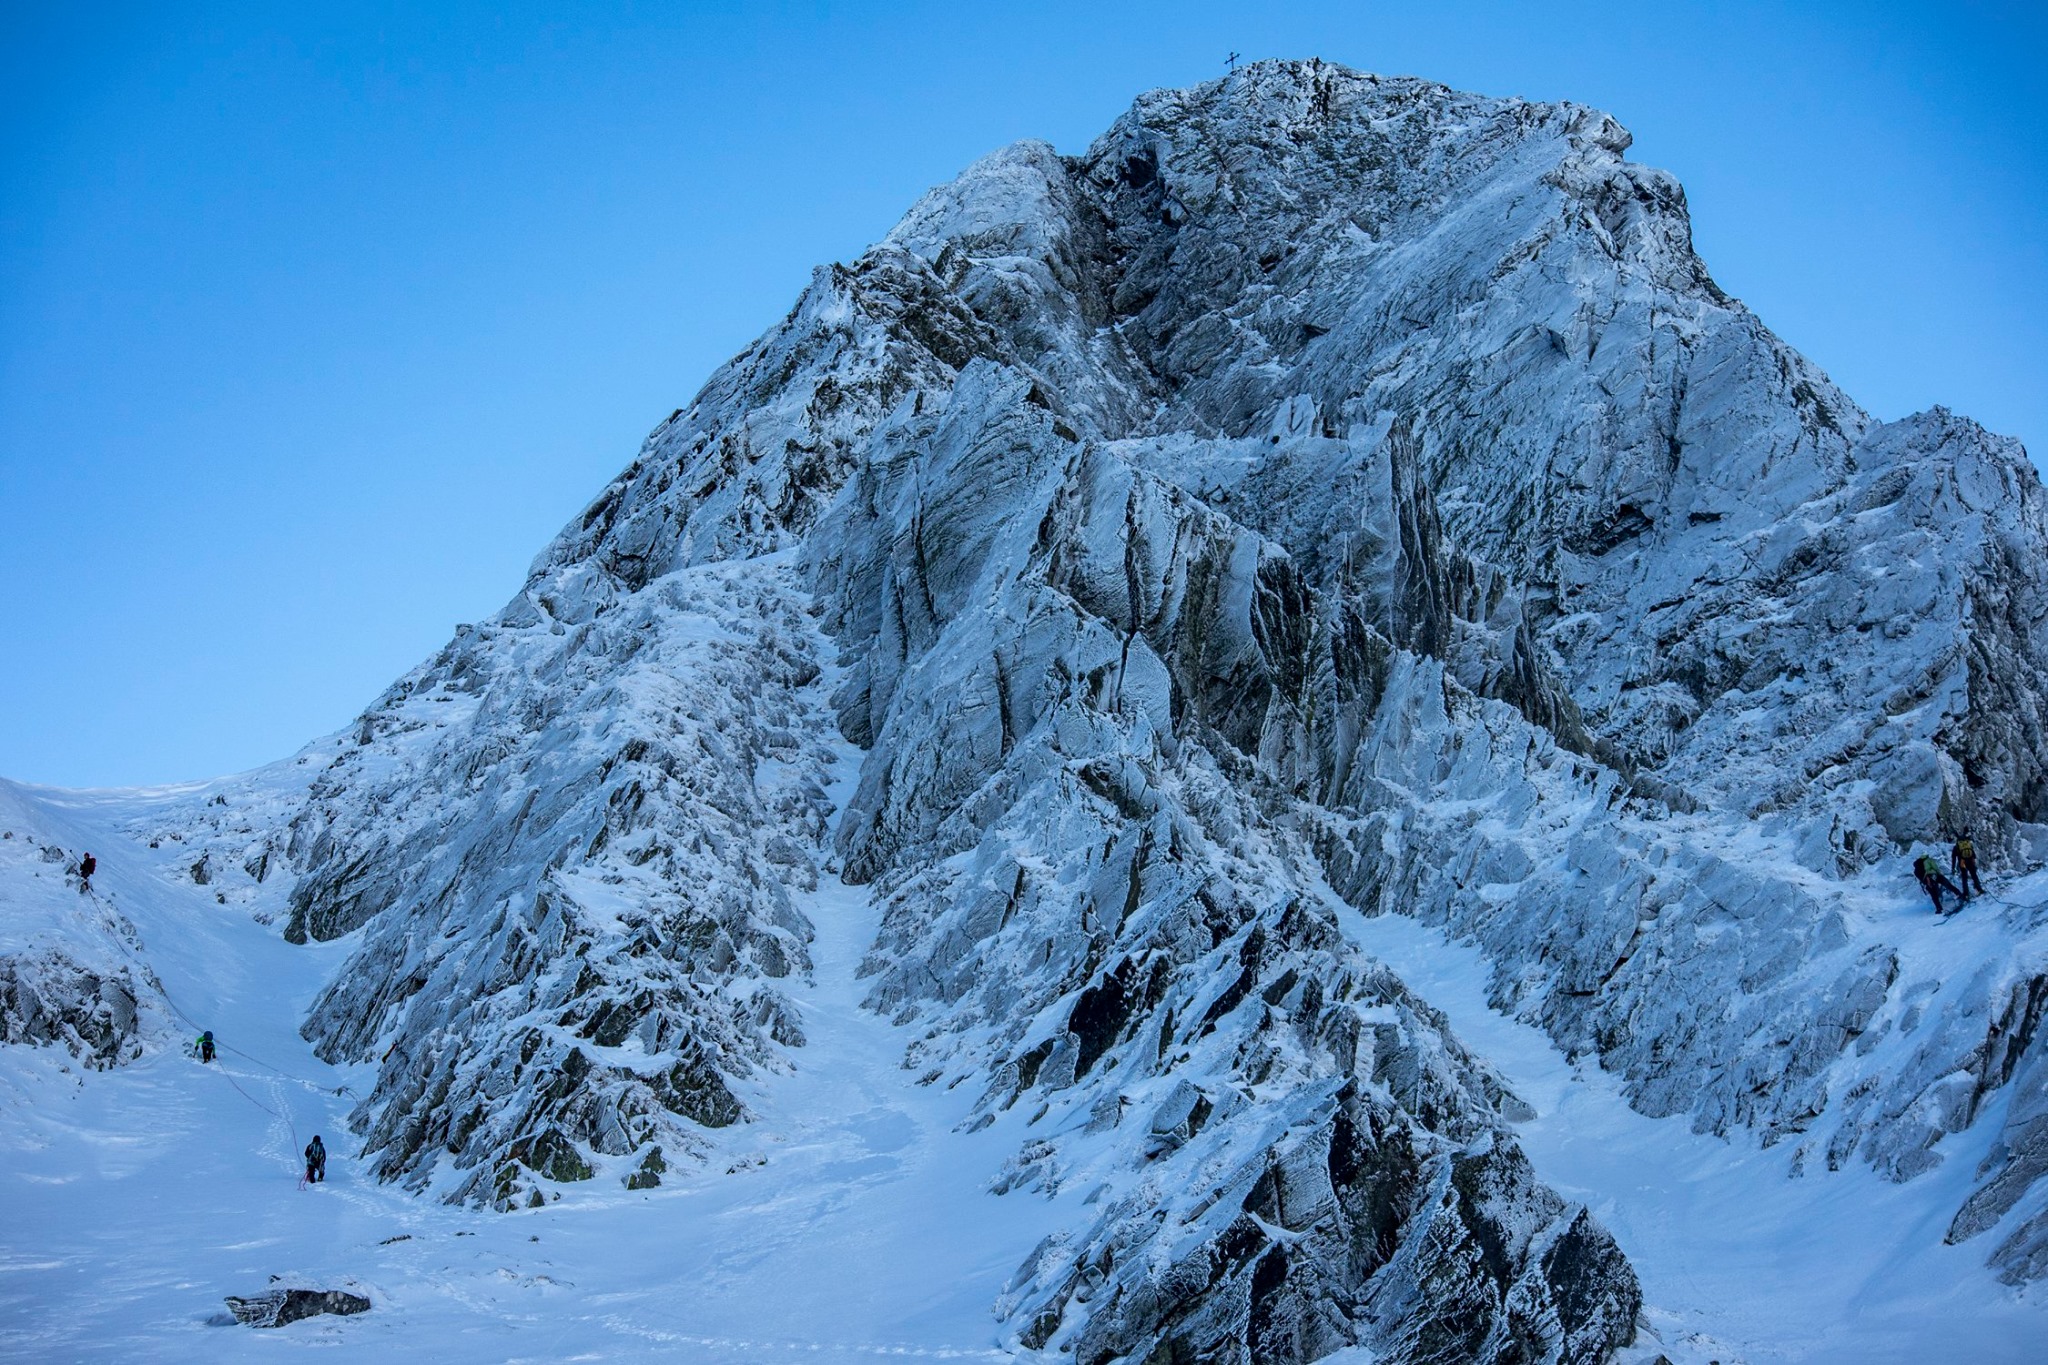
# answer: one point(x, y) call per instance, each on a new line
point(1966, 850)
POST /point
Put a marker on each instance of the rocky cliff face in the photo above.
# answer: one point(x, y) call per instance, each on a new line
point(47, 999)
point(573, 835)
point(1324, 490)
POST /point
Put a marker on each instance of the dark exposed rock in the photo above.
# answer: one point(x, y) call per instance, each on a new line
point(279, 1307)
point(649, 1175)
point(553, 1156)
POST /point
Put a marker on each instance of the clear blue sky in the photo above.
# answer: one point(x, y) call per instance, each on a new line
point(316, 321)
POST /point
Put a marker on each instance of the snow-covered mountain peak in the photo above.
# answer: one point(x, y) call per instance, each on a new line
point(1206, 460)
point(1326, 498)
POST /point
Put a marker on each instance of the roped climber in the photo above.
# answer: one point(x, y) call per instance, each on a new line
point(316, 1161)
point(86, 867)
point(1928, 873)
point(204, 1045)
point(1962, 860)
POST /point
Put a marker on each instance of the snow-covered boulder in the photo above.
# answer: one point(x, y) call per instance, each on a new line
point(281, 1307)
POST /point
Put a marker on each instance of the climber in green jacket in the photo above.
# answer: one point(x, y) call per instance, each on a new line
point(1928, 873)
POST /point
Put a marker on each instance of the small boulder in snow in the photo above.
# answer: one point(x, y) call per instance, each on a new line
point(276, 1307)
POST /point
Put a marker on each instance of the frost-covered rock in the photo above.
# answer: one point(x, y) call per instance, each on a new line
point(570, 840)
point(1069, 674)
point(1569, 606)
point(48, 1000)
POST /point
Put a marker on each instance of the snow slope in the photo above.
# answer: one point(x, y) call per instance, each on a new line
point(143, 1195)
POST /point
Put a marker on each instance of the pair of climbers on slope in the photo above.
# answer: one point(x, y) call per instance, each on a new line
point(1962, 859)
point(316, 1150)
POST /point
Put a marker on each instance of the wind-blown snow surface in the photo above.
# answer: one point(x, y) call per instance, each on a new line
point(1328, 498)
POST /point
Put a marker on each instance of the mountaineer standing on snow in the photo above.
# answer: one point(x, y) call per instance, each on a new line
point(1928, 873)
point(86, 867)
point(1962, 860)
point(316, 1161)
point(205, 1046)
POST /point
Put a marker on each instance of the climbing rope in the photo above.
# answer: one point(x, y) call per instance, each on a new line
point(282, 1115)
point(190, 1022)
point(298, 1080)
point(285, 1116)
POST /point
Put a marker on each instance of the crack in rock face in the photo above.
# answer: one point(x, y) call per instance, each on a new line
point(1325, 490)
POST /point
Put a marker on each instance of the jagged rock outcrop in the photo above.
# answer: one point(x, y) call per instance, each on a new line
point(1324, 489)
point(1089, 901)
point(1750, 636)
point(48, 1000)
point(574, 835)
